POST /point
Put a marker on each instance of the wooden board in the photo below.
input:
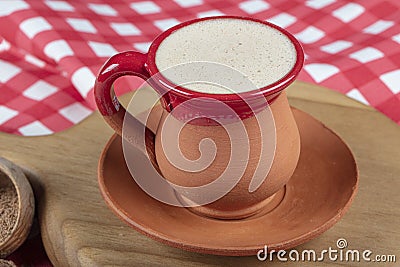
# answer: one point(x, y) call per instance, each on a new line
point(79, 230)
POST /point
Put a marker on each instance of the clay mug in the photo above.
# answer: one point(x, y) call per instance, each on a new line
point(239, 202)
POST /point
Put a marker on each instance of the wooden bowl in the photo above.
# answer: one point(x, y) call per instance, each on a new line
point(11, 174)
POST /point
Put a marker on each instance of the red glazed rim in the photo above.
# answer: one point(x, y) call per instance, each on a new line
point(268, 90)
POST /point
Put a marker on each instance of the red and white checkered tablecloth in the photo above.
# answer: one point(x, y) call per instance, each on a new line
point(50, 51)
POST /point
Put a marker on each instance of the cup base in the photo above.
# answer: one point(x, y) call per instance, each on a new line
point(265, 206)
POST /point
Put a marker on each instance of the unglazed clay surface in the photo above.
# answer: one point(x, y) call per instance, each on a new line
point(239, 202)
point(318, 194)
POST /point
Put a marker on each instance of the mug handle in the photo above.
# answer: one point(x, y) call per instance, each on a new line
point(125, 63)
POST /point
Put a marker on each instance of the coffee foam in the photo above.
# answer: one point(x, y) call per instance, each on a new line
point(260, 53)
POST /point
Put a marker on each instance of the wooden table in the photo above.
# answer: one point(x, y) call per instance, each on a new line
point(79, 230)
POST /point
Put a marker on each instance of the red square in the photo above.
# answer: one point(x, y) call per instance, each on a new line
point(56, 122)
point(391, 107)
point(376, 92)
point(360, 75)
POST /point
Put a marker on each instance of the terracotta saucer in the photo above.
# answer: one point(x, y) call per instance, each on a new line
point(316, 197)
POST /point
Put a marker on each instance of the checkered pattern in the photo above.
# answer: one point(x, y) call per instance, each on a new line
point(50, 51)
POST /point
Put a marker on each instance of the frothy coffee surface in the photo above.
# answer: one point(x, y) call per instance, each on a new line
point(260, 53)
